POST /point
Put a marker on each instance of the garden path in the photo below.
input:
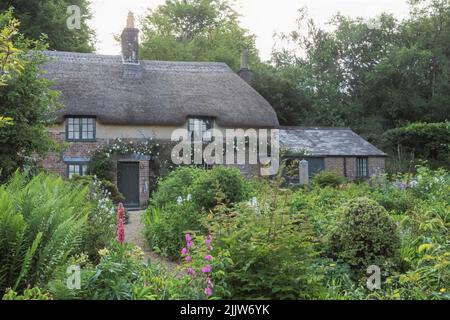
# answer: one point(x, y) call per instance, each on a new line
point(134, 234)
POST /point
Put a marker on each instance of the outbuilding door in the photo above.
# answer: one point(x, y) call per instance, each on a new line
point(128, 182)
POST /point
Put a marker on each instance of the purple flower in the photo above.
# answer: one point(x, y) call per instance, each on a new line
point(206, 269)
point(189, 244)
point(190, 271)
point(210, 248)
point(208, 292)
point(188, 237)
point(208, 257)
point(183, 251)
point(188, 259)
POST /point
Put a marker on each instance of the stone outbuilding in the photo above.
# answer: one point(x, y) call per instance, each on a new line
point(339, 150)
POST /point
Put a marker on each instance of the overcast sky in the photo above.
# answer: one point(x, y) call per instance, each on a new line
point(261, 17)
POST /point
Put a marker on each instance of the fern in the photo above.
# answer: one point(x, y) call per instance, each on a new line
point(28, 258)
point(42, 222)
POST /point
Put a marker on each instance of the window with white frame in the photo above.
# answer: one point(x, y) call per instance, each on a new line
point(80, 129)
point(200, 127)
point(76, 169)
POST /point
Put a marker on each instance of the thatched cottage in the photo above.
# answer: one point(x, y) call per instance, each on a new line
point(109, 97)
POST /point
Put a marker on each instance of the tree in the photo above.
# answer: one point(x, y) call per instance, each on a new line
point(49, 17)
point(10, 63)
point(372, 75)
point(196, 30)
point(26, 99)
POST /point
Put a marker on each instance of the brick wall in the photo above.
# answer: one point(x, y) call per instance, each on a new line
point(335, 164)
point(347, 166)
point(351, 169)
point(376, 165)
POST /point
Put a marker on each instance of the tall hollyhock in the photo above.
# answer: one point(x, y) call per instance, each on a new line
point(121, 223)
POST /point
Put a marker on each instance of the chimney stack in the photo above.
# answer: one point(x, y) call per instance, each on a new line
point(245, 73)
point(130, 42)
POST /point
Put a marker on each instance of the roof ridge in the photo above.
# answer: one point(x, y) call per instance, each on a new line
point(313, 128)
point(97, 56)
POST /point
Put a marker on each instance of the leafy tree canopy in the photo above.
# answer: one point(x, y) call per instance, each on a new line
point(26, 100)
point(372, 75)
point(195, 30)
point(49, 17)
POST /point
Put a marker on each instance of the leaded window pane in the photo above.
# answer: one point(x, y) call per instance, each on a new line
point(81, 128)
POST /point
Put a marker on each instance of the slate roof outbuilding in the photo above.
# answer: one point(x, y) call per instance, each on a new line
point(320, 142)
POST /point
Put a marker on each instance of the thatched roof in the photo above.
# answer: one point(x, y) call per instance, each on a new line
point(154, 92)
point(321, 142)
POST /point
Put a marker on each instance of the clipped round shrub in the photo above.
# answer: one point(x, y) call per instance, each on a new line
point(328, 178)
point(177, 184)
point(366, 235)
point(221, 184)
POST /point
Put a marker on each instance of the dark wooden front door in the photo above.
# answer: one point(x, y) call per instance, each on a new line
point(128, 182)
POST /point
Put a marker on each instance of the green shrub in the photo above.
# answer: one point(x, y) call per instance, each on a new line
point(365, 235)
point(427, 141)
point(28, 294)
point(102, 218)
point(328, 178)
point(177, 184)
point(272, 252)
point(224, 183)
point(165, 228)
point(102, 166)
point(41, 226)
point(122, 274)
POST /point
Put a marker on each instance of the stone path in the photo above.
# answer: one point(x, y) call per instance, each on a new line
point(134, 234)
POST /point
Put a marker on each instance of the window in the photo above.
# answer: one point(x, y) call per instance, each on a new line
point(76, 168)
point(362, 167)
point(200, 127)
point(80, 129)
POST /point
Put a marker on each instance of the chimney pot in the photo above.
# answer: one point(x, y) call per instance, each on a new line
point(244, 59)
point(245, 73)
point(130, 20)
point(130, 42)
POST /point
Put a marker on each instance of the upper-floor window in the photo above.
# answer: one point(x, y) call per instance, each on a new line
point(80, 129)
point(362, 167)
point(200, 127)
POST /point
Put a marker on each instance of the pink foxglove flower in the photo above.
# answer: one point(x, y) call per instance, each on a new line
point(208, 257)
point(121, 223)
point(206, 269)
point(189, 244)
point(188, 259)
point(183, 251)
point(190, 271)
point(208, 291)
point(188, 237)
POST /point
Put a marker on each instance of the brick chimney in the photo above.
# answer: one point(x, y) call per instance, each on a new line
point(245, 73)
point(130, 42)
